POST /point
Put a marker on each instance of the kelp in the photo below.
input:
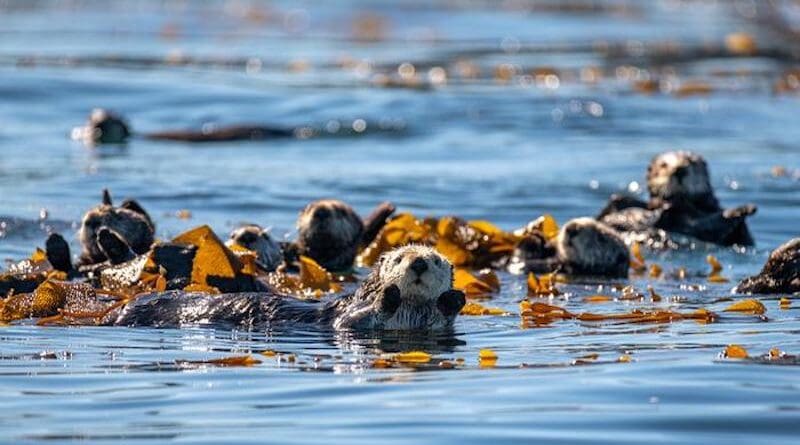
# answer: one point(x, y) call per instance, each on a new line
point(480, 285)
point(542, 286)
point(540, 314)
point(477, 309)
point(313, 280)
point(468, 244)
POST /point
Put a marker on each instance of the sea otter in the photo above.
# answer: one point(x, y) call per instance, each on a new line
point(409, 289)
point(108, 127)
point(129, 222)
point(584, 247)
point(781, 273)
point(331, 232)
point(681, 201)
point(258, 240)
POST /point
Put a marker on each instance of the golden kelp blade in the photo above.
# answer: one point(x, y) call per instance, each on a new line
point(45, 301)
point(213, 258)
point(477, 309)
point(735, 351)
point(539, 286)
point(413, 357)
point(473, 286)
point(638, 263)
point(315, 277)
point(547, 225)
point(747, 306)
point(244, 360)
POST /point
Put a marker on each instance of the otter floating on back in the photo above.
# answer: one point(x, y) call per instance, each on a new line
point(410, 289)
point(584, 247)
point(108, 127)
point(681, 201)
point(129, 222)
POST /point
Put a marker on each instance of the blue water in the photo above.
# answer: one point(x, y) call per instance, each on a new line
point(476, 147)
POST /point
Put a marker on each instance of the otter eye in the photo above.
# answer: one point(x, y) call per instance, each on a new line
point(398, 260)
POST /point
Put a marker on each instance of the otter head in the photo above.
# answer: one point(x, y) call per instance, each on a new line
point(105, 127)
point(587, 247)
point(129, 223)
point(677, 176)
point(329, 231)
point(411, 288)
point(258, 240)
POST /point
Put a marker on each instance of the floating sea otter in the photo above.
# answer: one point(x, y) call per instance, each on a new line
point(781, 273)
point(108, 127)
point(129, 223)
point(681, 201)
point(331, 232)
point(584, 247)
point(410, 289)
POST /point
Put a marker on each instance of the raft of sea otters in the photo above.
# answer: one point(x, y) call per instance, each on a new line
point(125, 276)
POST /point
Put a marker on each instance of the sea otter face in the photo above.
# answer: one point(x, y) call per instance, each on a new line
point(329, 231)
point(587, 247)
point(105, 127)
point(132, 226)
point(410, 289)
point(676, 175)
point(258, 240)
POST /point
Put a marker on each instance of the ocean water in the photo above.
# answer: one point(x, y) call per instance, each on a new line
point(536, 112)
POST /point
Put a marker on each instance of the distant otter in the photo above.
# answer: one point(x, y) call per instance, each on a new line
point(253, 237)
point(410, 289)
point(330, 232)
point(107, 127)
point(584, 247)
point(781, 273)
point(129, 222)
point(681, 201)
point(103, 127)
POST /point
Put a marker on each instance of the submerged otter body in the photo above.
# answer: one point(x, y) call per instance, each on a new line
point(781, 273)
point(681, 201)
point(411, 289)
point(108, 127)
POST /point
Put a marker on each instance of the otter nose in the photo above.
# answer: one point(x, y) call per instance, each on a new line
point(322, 213)
point(419, 266)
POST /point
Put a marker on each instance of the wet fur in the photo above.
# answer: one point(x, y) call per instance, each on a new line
point(681, 201)
point(413, 307)
point(586, 247)
point(781, 273)
point(132, 226)
point(330, 231)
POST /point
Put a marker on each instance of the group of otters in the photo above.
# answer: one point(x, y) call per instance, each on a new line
point(410, 287)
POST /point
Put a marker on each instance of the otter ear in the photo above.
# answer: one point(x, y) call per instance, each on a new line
point(134, 206)
point(450, 302)
point(107, 198)
point(391, 300)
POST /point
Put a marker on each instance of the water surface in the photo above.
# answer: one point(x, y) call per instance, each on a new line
point(482, 145)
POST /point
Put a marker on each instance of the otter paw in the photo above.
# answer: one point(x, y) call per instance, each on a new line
point(58, 254)
point(113, 246)
point(450, 302)
point(740, 212)
point(391, 300)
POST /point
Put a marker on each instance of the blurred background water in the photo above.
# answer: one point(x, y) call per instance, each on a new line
point(498, 110)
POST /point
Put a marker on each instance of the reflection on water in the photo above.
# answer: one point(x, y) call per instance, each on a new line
point(497, 110)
